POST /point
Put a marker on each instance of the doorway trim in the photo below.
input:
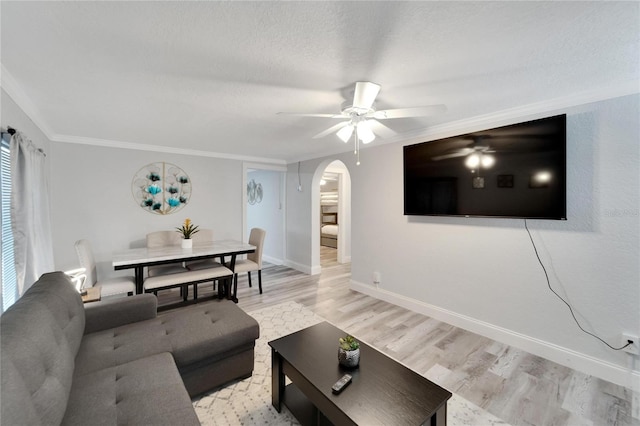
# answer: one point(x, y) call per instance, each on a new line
point(246, 167)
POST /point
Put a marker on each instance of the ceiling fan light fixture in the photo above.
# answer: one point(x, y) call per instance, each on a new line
point(472, 161)
point(345, 133)
point(364, 133)
point(487, 161)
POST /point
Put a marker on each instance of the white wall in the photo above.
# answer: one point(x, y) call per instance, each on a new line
point(269, 213)
point(13, 116)
point(92, 199)
point(298, 212)
point(482, 274)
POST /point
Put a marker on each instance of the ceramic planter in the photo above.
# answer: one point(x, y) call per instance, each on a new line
point(350, 358)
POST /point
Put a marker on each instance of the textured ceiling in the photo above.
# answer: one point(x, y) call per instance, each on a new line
point(211, 76)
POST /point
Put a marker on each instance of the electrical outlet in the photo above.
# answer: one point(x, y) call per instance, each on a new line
point(633, 348)
point(377, 278)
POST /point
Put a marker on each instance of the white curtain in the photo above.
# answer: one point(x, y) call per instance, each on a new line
point(30, 218)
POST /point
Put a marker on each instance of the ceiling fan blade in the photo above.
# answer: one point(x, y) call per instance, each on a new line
point(409, 112)
point(380, 129)
point(365, 94)
point(302, 114)
point(460, 153)
point(331, 129)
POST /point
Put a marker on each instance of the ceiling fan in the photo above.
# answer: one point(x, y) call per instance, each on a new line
point(360, 117)
point(477, 153)
point(475, 147)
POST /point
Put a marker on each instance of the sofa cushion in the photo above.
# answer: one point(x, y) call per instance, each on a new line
point(40, 336)
point(215, 328)
point(147, 391)
point(56, 291)
point(120, 345)
point(111, 313)
point(207, 331)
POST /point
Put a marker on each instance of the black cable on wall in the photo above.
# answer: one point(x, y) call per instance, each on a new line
point(535, 249)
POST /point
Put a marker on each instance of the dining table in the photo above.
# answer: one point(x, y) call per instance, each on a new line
point(139, 258)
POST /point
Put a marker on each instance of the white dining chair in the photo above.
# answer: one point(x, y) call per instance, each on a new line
point(202, 238)
point(110, 286)
point(159, 239)
point(253, 262)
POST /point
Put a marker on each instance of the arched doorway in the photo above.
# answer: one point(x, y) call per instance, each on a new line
point(343, 212)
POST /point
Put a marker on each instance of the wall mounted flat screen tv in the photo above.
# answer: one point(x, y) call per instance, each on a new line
point(515, 171)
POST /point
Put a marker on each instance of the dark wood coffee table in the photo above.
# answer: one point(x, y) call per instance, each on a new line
point(382, 392)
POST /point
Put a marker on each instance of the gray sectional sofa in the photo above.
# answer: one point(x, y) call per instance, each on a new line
point(115, 362)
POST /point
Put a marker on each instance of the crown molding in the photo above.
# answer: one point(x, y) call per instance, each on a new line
point(13, 89)
point(524, 112)
point(9, 84)
point(499, 118)
point(155, 148)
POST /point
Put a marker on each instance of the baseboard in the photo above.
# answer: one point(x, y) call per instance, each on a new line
point(627, 377)
point(272, 260)
point(302, 268)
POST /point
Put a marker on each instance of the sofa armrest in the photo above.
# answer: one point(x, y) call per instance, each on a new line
point(117, 312)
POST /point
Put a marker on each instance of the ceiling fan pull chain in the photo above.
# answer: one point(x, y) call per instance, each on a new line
point(356, 142)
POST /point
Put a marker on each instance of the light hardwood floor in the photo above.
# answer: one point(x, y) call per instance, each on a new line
point(518, 387)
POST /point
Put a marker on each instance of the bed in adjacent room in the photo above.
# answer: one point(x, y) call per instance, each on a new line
point(329, 227)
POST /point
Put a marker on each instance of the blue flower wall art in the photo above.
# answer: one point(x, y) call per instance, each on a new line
point(161, 188)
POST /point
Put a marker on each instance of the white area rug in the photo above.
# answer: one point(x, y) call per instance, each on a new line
point(248, 402)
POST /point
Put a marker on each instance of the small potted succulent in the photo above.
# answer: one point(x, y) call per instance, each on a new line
point(348, 352)
point(187, 230)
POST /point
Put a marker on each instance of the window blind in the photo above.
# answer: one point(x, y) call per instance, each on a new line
point(9, 283)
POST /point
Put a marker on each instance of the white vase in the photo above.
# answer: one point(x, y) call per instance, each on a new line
point(187, 243)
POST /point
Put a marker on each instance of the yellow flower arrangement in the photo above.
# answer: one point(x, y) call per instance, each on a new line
point(188, 229)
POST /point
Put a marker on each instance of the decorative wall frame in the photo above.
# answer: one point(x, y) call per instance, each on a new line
point(254, 192)
point(505, 181)
point(161, 188)
point(478, 182)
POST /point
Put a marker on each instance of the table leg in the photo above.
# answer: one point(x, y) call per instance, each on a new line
point(440, 416)
point(138, 273)
point(221, 284)
point(277, 380)
point(235, 287)
point(232, 294)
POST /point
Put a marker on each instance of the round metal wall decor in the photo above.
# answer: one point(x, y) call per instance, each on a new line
point(161, 188)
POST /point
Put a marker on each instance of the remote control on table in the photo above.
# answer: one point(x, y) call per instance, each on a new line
point(341, 384)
